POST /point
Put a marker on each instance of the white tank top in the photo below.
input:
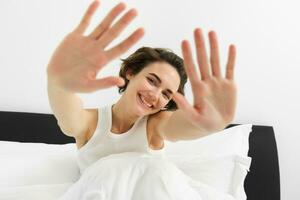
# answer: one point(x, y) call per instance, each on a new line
point(103, 142)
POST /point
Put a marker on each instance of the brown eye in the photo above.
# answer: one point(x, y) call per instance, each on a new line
point(150, 81)
point(166, 96)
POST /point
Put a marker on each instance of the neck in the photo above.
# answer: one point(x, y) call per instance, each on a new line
point(122, 117)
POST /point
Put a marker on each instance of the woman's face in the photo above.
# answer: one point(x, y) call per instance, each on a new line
point(152, 88)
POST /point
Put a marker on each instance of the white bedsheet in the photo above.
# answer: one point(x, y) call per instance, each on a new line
point(136, 176)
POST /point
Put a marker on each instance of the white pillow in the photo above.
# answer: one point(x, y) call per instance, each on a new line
point(229, 141)
point(37, 163)
point(219, 160)
point(224, 173)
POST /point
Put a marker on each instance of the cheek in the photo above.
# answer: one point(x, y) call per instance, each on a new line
point(165, 102)
point(144, 85)
point(139, 86)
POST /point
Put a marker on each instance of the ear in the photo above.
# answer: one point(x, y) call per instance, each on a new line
point(129, 74)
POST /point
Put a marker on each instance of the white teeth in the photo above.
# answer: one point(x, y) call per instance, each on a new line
point(149, 105)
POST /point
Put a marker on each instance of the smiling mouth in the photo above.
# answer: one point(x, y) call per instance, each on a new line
point(144, 103)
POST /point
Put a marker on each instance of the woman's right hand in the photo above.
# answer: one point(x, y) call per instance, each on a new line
point(78, 59)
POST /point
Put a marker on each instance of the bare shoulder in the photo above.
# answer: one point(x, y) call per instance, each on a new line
point(92, 116)
point(160, 118)
point(154, 124)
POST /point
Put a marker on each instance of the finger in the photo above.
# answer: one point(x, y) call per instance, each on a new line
point(125, 45)
point(106, 23)
point(117, 28)
point(190, 68)
point(106, 82)
point(85, 21)
point(182, 103)
point(201, 54)
point(188, 62)
point(231, 62)
point(214, 54)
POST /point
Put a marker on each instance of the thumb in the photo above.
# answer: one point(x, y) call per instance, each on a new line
point(106, 82)
point(181, 102)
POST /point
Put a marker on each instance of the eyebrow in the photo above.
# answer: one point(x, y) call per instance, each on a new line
point(159, 80)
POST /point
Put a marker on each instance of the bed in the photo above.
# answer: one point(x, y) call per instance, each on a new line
point(261, 183)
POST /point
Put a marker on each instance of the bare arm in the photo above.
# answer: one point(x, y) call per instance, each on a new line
point(76, 62)
point(68, 110)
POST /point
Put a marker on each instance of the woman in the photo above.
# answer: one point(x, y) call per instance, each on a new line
point(152, 82)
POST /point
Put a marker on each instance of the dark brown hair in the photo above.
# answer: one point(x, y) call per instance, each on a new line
point(144, 56)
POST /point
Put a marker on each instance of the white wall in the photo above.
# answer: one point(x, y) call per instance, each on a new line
point(266, 34)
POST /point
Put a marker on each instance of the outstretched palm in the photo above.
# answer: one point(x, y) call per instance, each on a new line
point(77, 60)
point(214, 99)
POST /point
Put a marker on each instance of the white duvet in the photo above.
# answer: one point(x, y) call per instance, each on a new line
point(137, 176)
point(129, 175)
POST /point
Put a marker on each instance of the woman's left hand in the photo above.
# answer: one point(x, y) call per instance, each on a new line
point(214, 95)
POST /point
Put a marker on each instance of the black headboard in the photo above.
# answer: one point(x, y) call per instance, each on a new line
point(31, 127)
point(262, 181)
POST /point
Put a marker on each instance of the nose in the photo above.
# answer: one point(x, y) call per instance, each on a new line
point(153, 96)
